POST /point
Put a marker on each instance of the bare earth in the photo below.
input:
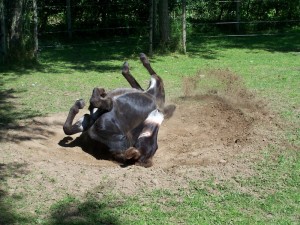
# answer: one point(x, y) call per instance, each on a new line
point(209, 135)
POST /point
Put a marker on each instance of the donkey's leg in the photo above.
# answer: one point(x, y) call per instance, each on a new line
point(146, 63)
point(131, 80)
point(146, 144)
point(156, 88)
point(81, 125)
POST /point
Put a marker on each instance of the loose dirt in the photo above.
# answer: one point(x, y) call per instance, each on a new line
point(212, 133)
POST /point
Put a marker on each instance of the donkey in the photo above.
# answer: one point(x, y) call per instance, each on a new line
point(126, 120)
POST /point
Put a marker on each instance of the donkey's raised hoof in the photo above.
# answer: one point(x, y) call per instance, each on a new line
point(125, 68)
point(144, 59)
point(80, 103)
point(146, 63)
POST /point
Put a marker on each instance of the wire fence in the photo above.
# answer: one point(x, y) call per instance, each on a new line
point(131, 25)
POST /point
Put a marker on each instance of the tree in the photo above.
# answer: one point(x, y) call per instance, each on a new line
point(3, 32)
point(17, 29)
point(164, 21)
point(184, 26)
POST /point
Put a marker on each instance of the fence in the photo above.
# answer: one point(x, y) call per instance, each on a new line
point(182, 15)
point(63, 22)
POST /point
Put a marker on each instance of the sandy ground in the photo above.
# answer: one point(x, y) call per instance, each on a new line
point(209, 135)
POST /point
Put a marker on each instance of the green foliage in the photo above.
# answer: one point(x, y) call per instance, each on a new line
point(93, 15)
point(19, 31)
point(254, 15)
point(104, 18)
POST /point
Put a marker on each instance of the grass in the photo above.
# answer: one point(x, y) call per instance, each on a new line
point(268, 65)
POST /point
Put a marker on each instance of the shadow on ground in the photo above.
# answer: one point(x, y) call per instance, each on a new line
point(97, 150)
point(7, 213)
point(9, 112)
point(66, 211)
point(71, 211)
point(207, 47)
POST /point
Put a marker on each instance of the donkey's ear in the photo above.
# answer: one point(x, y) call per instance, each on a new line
point(98, 92)
point(168, 111)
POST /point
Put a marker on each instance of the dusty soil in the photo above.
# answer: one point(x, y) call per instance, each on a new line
point(216, 133)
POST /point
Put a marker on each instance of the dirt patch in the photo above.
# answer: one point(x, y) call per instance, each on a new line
point(215, 131)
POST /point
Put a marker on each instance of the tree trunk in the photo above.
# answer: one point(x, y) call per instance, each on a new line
point(151, 27)
point(16, 24)
point(238, 16)
point(35, 29)
point(15, 30)
point(155, 26)
point(3, 32)
point(69, 19)
point(164, 21)
point(184, 26)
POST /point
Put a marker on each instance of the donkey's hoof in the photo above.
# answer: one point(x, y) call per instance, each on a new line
point(125, 68)
point(80, 103)
point(144, 59)
point(132, 153)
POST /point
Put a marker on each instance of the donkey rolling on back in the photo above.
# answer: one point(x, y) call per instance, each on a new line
point(126, 120)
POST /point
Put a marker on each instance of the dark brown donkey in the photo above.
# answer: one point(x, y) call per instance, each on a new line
point(126, 120)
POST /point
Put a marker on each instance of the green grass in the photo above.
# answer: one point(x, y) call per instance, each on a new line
point(268, 65)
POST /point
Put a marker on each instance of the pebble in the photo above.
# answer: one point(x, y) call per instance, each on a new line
point(154, 181)
point(223, 161)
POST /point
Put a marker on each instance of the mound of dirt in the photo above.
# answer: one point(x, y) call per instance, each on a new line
point(211, 132)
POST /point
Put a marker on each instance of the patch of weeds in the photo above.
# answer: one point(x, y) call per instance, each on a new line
point(277, 185)
point(294, 137)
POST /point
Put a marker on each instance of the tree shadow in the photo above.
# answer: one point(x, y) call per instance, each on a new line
point(7, 213)
point(289, 42)
point(91, 55)
point(71, 211)
point(208, 47)
point(9, 113)
point(27, 132)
